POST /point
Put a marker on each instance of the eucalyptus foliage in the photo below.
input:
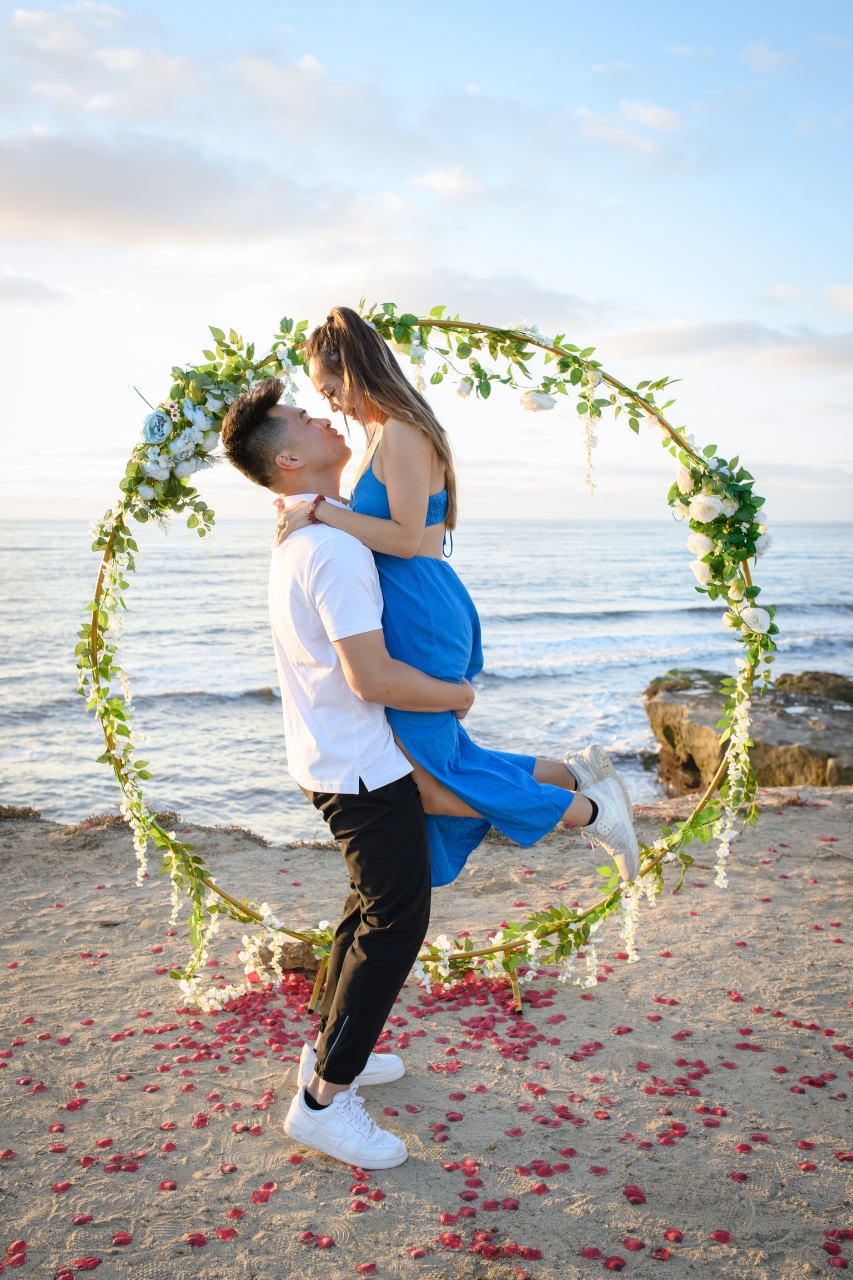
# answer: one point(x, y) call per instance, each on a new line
point(714, 497)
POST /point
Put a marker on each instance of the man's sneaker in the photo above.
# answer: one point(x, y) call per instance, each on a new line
point(382, 1068)
point(344, 1131)
point(613, 829)
point(593, 765)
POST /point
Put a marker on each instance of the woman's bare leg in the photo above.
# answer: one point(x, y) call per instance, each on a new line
point(555, 773)
point(435, 796)
point(579, 813)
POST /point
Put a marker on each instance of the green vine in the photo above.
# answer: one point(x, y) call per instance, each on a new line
point(714, 497)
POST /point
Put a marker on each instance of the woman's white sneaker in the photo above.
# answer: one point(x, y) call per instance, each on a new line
point(382, 1068)
point(592, 765)
point(344, 1131)
point(613, 829)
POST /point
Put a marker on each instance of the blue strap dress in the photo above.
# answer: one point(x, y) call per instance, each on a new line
point(430, 622)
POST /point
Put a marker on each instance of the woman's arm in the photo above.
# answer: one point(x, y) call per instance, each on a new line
point(407, 462)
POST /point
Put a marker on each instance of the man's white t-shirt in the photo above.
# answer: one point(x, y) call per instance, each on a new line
point(324, 586)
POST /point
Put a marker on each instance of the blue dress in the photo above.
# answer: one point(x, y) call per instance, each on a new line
point(431, 623)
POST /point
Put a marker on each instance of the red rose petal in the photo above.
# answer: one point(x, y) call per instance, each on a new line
point(614, 1263)
point(226, 1233)
point(168, 1185)
point(722, 1237)
point(662, 1255)
point(122, 1238)
point(196, 1239)
point(591, 1254)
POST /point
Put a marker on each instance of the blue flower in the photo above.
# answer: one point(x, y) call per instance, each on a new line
point(157, 427)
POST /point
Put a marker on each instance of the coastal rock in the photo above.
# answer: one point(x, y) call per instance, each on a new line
point(802, 730)
point(292, 955)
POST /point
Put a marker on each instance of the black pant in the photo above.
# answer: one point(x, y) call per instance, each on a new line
point(384, 841)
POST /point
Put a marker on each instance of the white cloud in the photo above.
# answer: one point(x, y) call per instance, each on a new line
point(687, 51)
point(784, 293)
point(840, 297)
point(602, 68)
point(763, 59)
point(455, 184)
point(832, 42)
point(737, 340)
point(23, 289)
point(609, 132)
point(657, 118)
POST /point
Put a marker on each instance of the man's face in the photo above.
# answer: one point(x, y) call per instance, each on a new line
point(313, 444)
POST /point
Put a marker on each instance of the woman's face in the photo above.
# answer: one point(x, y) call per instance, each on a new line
point(329, 386)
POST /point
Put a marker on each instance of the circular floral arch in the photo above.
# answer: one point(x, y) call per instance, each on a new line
point(727, 533)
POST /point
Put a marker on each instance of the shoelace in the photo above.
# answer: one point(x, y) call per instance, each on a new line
point(353, 1110)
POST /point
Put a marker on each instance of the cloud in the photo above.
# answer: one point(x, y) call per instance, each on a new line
point(657, 118)
point(22, 289)
point(784, 293)
point(602, 68)
point(744, 340)
point(764, 60)
point(455, 184)
point(687, 51)
point(609, 132)
point(831, 42)
point(149, 190)
point(840, 297)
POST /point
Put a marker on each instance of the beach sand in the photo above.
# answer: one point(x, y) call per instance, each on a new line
point(793, 873)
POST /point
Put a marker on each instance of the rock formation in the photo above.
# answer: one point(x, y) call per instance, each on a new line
point(802, 730)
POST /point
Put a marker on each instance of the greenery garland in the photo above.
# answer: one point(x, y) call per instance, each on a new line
point(727, 531)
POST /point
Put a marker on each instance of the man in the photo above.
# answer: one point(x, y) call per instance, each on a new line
point(336, 679)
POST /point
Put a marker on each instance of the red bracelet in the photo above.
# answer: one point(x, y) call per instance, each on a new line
point(312, 510)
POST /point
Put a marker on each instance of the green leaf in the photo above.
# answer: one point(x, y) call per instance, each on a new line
point(389, 308)
point(634, 425)
point(587, 351)
point(408, 319)
point(437, 312)
point(463, 350)
point(217, 333)
point(436, 378)
point(709, 450)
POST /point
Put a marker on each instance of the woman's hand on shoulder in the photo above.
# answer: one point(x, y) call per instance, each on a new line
point(290, 519)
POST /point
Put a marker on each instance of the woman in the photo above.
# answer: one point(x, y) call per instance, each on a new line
point(403, 505)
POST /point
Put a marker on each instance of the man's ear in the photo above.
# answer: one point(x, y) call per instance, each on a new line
point(288, 461)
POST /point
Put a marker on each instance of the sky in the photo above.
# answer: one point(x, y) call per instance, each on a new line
point(669, 183)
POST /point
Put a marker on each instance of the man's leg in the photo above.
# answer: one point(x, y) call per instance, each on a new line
point(384, 842)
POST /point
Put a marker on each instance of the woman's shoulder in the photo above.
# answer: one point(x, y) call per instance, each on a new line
point(399, 436)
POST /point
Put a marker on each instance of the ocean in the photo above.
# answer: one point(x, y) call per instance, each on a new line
point(577, 618)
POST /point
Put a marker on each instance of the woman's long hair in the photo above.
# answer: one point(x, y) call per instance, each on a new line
point(351, 349)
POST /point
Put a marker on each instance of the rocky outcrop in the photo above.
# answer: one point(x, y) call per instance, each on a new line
point(802, 730)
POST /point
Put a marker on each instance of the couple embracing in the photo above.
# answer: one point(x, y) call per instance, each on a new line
point(376, 642)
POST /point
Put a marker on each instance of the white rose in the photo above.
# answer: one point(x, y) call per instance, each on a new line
point(592, 378)
point(729, 507)
point(731, 620)
point(183, 446)
point(466, 386)
point(156, 470)
point(145, 491)
point(700, 544)
point(213, 404)
point(210, 441)
point(537, 401)
point(185, 469)
point(763, 543)
point(323, 924)
point(702, 571)
point(756, 619)
point(735, 589)
point(705, 507)
point(684, 478)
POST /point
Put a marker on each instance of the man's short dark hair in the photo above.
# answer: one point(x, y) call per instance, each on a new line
point(251, 436)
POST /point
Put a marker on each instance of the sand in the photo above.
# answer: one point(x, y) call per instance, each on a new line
point(794, 872)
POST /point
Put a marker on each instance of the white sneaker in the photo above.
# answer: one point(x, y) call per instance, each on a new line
point(382, 1068)
point(593, 765)
point(344, 1131)
point(613, 829)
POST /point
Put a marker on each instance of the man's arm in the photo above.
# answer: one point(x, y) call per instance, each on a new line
point(374, 676)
